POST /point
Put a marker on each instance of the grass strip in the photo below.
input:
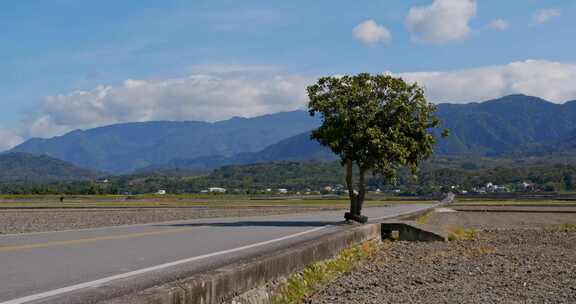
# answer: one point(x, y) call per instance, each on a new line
point(303, 284)
point(566, 227)
point(424, 218)
point(461, 234)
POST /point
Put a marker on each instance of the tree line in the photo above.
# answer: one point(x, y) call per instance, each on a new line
point(434, 176)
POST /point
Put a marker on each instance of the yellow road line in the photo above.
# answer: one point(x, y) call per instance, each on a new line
point(91, 240)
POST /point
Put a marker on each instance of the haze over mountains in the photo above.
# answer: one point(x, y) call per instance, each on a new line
point(515, 124)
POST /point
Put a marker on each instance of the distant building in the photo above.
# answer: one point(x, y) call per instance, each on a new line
point(216, 190)
point(161, 192)
point(528, 186)
point(283, 191)
point(491, 187)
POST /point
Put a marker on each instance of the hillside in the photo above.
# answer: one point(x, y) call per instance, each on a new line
point(299, 147)
point(16, 167)
point(123, 148)
point(511, 124)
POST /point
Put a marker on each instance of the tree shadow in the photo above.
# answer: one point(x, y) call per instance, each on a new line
point(259, 224)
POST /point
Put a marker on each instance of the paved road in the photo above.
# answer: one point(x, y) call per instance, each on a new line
point(39, 266)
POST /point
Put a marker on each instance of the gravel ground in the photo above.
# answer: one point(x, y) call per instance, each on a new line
point(502, 220)
point(46, 220)
point(499, 266)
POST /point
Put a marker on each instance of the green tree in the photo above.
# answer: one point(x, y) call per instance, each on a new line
point(375, 122)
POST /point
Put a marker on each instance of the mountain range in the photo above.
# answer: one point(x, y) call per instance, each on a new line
point(123, 148)
point(295, 148)
point(511, 125)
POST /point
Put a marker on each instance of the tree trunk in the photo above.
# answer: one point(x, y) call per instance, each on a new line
point(350, 185)
point(355, 199)
point(361, 192)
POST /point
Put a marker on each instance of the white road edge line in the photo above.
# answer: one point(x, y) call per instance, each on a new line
point(98, 282)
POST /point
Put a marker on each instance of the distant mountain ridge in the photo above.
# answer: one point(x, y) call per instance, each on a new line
point(122, 148)
point(296, 148)
point(24, 167)
point(511, 125)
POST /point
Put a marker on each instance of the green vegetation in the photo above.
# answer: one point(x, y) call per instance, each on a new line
point(515, 124)
point(461, 234)
point(566, 227)
point(248, 179)
point(26, 168)
point(377, 123)
point(434, 176)
point(424, 218)
point(441, 173)
point(301, 285)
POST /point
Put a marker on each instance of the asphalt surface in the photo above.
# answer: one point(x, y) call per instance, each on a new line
point(40, 266)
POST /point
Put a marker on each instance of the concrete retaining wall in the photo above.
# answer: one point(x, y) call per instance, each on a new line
point(412, 231)
point(223, 284)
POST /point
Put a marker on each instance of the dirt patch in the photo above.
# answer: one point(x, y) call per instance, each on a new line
point(500, 220)
point(512, 266)
point(47, 220)
point(516, 208)
point(512, 257)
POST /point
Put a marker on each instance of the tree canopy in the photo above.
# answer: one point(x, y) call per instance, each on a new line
point(377, 122)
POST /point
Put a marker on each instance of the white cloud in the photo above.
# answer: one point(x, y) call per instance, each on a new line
point(546, 15)
point(442, 21)
point(550, 80)
point(371, 33)
point(210, 98)
point(499, 25)
point(8, 139)
point(197, 97)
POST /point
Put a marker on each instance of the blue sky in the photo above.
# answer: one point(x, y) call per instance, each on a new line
point(65, 63)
